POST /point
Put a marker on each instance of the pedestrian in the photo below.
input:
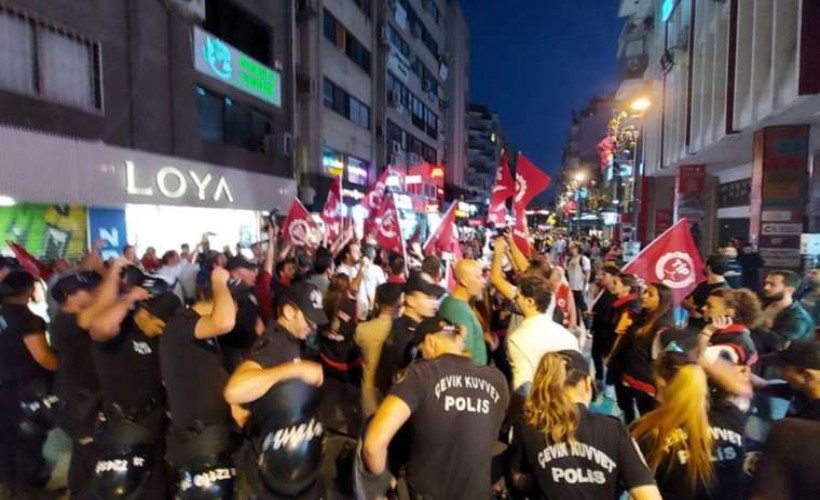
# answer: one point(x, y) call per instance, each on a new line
point(625, 309)
point(446, 398)
point(280, 387)
point(784, 316)
point(323, 269)
point(564, 310)
point(27, 366)
point(537, 335)
point(374, 276)
point(370, 336)
point(248, 325)
point(199, 439)
point(734, 270)
point(809, 295)
point(695, 449)
point(470, 283)
point(338, 351)
point(752, 263)
point(150, 262)
point(714, 269)
point(603, 333)
point(556, 420)
point(126, 357)
point(396, 268)
point(579, 270)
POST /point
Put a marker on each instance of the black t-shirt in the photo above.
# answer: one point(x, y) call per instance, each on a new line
point(602, 318)
point(458, 409)
point(727, 424)
point(77, 384)
point(787, 469)
point(16, 323)
point(601, 459)
point(402, 334)
point(128, 366)
point(285, 421)
point(336, 344)
point(243, 334)
point(193, 374)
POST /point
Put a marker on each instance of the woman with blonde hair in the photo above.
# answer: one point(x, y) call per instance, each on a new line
point(560, 449)
point(694, 448)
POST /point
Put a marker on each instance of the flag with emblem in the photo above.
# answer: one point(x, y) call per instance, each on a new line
point(332, 213)
point(503, 188)
point(373, 198)
point(445, 239)
point(299, 229)
point(530, 181)
point(387, 231)
point(672, 259)
point(521, 233)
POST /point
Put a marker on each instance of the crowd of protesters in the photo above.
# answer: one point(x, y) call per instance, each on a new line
point(226, 374)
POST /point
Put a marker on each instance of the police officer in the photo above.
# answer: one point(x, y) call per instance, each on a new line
point(80, 297)
point(26, 368)
point(281, 388)
point(126, 355)
point(447, 399)
point(236, 344)
point(199, 438)
point(420, 302)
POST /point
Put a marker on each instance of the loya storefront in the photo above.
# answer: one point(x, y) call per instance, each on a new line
point(59, 194)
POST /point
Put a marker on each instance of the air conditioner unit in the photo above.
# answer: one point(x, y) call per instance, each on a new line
point(307, 86)
point(306, 10)
point(278, 144)
point(192, 10)
point(383, 38)
point(396, 147)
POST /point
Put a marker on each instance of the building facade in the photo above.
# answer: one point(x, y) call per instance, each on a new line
point(162, 110)
point(485, 144)
point(375, 79)
point(732, 140)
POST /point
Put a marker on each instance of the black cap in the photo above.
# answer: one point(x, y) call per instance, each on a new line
point(417, 283)
point(308, 298)
point(575, 361)
point(240, 262)
point(73, 283)
point(803, 354)
point(163, 306)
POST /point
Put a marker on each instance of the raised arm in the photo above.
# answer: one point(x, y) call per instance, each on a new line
point(106, 325)
point(519, 260)
point(497, 278)
point(223, 316)
point(106, 294)
point(250, 381)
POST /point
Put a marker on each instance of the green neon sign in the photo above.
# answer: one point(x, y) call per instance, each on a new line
point(220, 60)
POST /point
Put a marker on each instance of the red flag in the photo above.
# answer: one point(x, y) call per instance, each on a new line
point(504, 188)
point(388, 232)
point(451, 278)
point(672, 259)
point(529, 182)
point(332, 213)
point(444, 239)
point(30, 263)
point(521, 233)
point(299, 229)
point(372, 201)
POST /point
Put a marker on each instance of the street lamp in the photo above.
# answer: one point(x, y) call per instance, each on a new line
point(580, 176)
point(641, 104)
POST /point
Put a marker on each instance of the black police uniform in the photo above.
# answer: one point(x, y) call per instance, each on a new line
point(283, 456)
point(394, 352)
point(601, 459)
point(22, 380)
point(199, 439)
point(134, 405)
point(457, 410)
point(236, 343)
point(78, 388)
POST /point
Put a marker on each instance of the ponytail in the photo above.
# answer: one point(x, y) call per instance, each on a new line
point(548, 407)
point(682, 419)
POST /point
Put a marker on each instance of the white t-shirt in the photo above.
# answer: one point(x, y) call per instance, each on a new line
point(576, 267)
point(536, 336)
point(362, 304)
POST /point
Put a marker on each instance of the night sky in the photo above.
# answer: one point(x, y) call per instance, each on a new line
point(534, 61)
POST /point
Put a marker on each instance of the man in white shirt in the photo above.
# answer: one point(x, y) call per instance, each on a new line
point(351, 262)
point(537, 335)
point(578, 270)
point(373, 277)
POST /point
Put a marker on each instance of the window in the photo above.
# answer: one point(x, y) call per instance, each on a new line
point(397, 41)
point(223, 119)
point(422, 117)
point(239, 28)
point(337, 99)
point(418, 113)
point(336, 33)
point(364, 6)
point(357, 171)
point(415, 23)
point(431, 120)
point(39, 60)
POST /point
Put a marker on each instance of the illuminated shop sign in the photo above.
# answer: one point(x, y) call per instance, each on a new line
point(174, 183)
point(218, 59)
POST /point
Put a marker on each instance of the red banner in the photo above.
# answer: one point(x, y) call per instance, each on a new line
point(504, 188)
point(672, 259)
point(521, 233)
point(529, 182)
point(30, 263)
point(373, 199)
point(332, 213)
point(388, 232)
point(444, 239)
point(299, 229)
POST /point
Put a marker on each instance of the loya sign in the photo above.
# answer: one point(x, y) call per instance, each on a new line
point(175, 184)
